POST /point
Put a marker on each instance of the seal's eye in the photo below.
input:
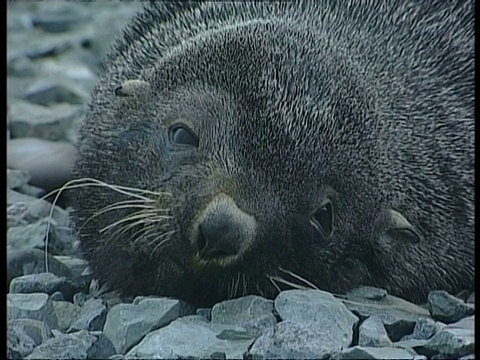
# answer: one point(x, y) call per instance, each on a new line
point(180, 134)
point(322, 219)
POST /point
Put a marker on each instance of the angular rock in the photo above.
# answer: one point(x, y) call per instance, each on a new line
point(31, 190)
point(80, 345)
point(36, 306)
point(424, 329)
point(76, 265)
point(33, 209)
point(372, 333)
point(373, 353)
point(453, 341)
point(193, 336)
point(254, 313)
point(49, 123)
point(447, 308)
point(127, 324)
point(28, 236)
point(46, 283)
point(66, 313)
point(17, 178)
point(37, 330)
point(92, 316)
point(47, 92)
point(205, 312)
point(32, 261)
point(19, 344)
point(367, 292)
point(296, 337)
point(55, 23)
point(321, 308)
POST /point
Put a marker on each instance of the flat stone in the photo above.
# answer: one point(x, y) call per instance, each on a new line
point(49, 163)
point(37, 121)
point(193, 337)
point(19, 344)
point(367, 292)
point(46, 283)
point(373, 353)
point(36, 306)
point(92, 316)
point(28, 236)
point(254, 313)
point(127, 324)
point(46, 92)
point(76, 265)
point(448, 308)
point(20, 66)
point(424, 329)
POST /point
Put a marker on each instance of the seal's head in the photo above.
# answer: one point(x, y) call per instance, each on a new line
point(243, 154)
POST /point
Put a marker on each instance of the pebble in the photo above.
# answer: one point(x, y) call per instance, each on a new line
point(66, 313)
point(447, 308)
point(127, 324)
point(37, 330)
point(17, 178)
point(372, 333)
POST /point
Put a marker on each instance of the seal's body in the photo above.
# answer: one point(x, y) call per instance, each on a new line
point(328, 139)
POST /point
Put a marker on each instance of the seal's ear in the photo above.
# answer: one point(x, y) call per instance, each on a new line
point(132, 88)
point(394, 227)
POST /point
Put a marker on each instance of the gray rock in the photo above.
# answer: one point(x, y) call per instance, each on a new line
point(80, 345)
point(46, 283)
point(193, 336)
point(297, 337)
point(127, 324)
point(46, 92)
point(33, 209)
point(471, 298)
point(119, 357)
point(17, 178)
point(19, 344)
point(467, 357)
point(32, 190)
point(424, 329)
point(37, 330)
point(20, 66)
point(92, 316)
point(49, 123)
point(453, 341)
point(56, 22)
point(80, 298)
point(32, 261)
point(49, 163)
point(205, 312)
point(389, 309)
point(76, 265)
point(254, 313)
point(28, 236)
point(367, 292)
point(66, 313)
point(412, 344)
point(372, 333)
point(373, 353)
point(447, 308)
point(321, 308)
point(35, 306)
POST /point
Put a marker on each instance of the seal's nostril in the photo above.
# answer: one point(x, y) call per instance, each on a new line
point(216, 238)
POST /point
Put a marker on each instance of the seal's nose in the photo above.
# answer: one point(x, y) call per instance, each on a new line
point(217, 237)
point(223, 229)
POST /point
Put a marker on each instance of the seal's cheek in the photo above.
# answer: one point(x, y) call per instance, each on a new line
point(222, 232)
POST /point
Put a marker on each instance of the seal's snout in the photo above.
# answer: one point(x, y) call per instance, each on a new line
point(223, 230)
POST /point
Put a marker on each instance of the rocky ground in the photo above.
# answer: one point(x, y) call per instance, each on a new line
point(54, 50)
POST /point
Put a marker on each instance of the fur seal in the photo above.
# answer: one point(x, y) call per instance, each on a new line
point(242, 141)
